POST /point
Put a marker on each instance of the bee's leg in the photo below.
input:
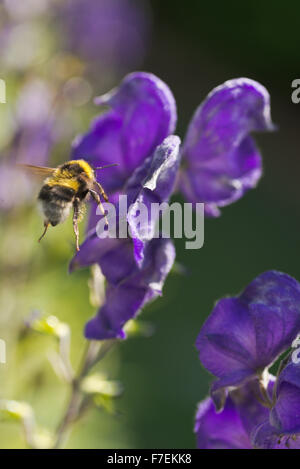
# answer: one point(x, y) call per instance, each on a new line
point(102, 191)
point(76, 206)
point(96, 197)
point(46, 225)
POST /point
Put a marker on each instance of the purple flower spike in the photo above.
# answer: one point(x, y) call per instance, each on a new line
point(135, 268)
point(152, 182)
point(245, 334)
point(222, 161)
point(142, 115)
point(126, 299)
point(231, 428)
point(282, 429)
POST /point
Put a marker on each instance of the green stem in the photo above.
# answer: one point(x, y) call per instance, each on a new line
point(78, 402)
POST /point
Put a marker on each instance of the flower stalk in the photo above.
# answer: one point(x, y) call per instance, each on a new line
point(79, 402)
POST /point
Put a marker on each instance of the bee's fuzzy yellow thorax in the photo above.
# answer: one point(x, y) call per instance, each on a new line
point(65, 177)
point(86, 167)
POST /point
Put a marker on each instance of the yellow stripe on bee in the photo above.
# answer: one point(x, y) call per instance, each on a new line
point(63, 180)
point(64, 177)
point(85, 166)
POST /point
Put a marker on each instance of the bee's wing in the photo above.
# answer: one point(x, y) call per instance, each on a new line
point(42, 171)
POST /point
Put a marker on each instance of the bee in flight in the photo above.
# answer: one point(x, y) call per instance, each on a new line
point(69, 185)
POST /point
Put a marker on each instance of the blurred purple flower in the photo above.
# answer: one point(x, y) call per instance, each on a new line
point(22, 188)
point(106, 33)
point(221, 160)
point(245, 334)
point(33, 138)
point(34, 124)
point(231, 428)
point(282, 429)
point(136, 268)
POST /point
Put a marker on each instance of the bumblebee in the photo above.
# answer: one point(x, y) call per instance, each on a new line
point(69, 185)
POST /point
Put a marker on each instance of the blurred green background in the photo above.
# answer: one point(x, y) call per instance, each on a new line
point(193, 46)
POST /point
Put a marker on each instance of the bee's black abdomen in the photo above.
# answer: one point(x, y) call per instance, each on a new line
point(56, 202)
point(50, 193)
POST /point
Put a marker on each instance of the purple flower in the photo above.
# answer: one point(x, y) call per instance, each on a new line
point(221, 160)
point(245, 334)
point(136, 268)
point(231, 428)
point(127, 297)
point(129, 287)
point(142, 115)
point(152, 183)
point(282, 428)
point(107, 33)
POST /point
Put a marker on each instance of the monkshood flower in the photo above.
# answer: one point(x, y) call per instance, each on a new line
point(282, 428)
point(142, 114)
point(245, 334)
point(220, 159)
point(135, 268)
point(232, 427)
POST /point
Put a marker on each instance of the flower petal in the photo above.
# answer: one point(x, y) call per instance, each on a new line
point(265, 436)
point(217, 148)
point(115, 257)
point(252, 413)
point(100, 146)
point(232, 427)
point(142, 115)
point(152, 183)
point(226, 342)
point(125, 300)
point(225, 181)
point(285, 415)
point(245, 334)
point(223, 430)
point(273, 299)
